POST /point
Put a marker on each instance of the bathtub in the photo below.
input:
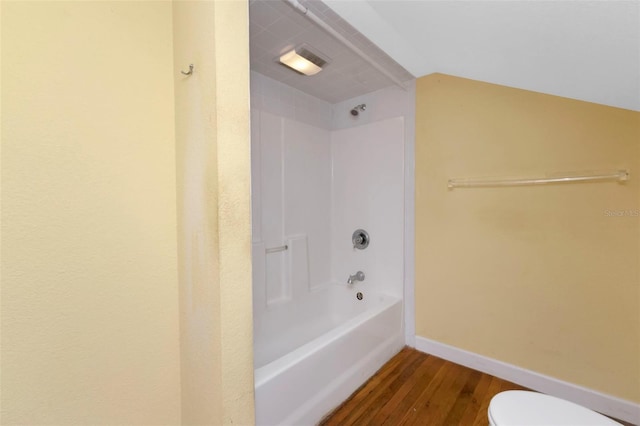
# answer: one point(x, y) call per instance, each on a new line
point(312, 354)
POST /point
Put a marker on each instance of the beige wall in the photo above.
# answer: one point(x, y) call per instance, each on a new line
point(539, 277)
point(90, 331)
point(234, 210)
point(212, 133)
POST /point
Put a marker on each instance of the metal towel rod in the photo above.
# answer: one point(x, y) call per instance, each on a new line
point(618, 175)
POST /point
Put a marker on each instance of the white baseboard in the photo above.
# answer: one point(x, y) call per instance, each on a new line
point(594, 400)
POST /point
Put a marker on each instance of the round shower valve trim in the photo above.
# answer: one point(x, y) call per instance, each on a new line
point(360, 239)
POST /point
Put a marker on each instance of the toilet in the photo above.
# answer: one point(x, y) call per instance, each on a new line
point(525, 408)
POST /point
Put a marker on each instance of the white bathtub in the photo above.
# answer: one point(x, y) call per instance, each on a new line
point(311, 355)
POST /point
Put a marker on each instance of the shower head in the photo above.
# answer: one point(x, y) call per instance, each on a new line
point(356, 109)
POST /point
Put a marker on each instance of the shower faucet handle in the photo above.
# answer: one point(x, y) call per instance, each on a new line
point(360, 239)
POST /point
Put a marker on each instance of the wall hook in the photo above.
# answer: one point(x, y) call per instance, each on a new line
point(188, 72)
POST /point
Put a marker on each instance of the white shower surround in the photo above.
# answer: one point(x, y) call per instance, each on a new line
point(312, 187)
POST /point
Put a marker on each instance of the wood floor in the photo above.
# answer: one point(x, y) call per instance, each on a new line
point(414, 388)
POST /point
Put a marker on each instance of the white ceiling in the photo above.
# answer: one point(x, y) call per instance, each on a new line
point(275, 28)
point(587, 50)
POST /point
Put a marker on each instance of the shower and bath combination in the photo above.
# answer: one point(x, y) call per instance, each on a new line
point(327, 300)
point(328, 304)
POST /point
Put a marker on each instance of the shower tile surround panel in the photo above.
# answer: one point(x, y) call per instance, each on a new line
point(307, 202)
point(368, 192)
point(276, 28)
point(291, 183)
point(311, 184)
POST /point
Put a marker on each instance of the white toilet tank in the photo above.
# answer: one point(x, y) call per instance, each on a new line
point(525, 408)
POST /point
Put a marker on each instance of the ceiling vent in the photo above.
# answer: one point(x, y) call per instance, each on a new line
point(303, 60)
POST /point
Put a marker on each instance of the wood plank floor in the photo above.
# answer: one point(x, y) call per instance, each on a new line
point(414, 388)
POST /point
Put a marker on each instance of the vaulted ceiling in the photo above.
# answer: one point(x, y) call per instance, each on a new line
point(586, 50)
point(581, 49)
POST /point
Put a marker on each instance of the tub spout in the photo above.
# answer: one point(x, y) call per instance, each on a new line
point(359, 276)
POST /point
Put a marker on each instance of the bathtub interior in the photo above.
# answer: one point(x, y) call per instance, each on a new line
point(302, 386)
point(285, 328)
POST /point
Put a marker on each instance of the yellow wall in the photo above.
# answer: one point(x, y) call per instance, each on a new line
point(90, 331)
point(234, 210)
point(539, 277)
point(194, 42)
point(212, 133)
